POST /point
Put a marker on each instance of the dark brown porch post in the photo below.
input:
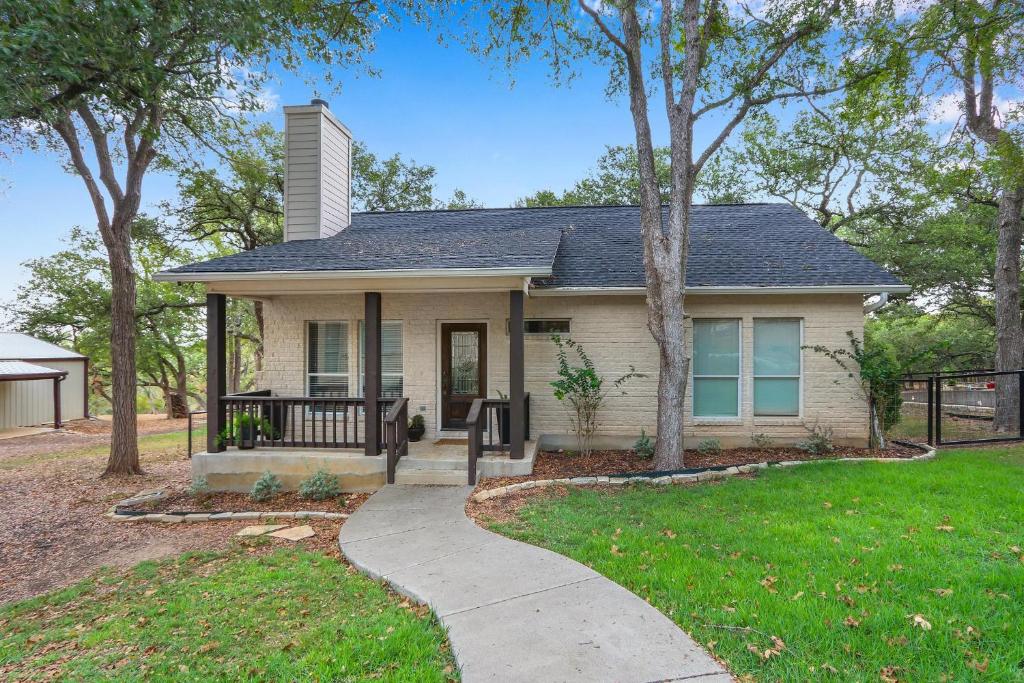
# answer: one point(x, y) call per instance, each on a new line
point(56, 402)
point(516, 381)
point(216, 370)
point(371, 376)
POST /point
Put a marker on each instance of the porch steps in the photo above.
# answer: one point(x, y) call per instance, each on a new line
point(431, 471)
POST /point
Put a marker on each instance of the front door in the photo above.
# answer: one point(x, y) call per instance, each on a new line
point(463, 370)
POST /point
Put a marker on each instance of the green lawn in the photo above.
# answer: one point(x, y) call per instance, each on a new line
point(866, 571)
point(289, 615)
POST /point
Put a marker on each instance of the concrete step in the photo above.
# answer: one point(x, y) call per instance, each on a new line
point(414, 463)
point(430, 477)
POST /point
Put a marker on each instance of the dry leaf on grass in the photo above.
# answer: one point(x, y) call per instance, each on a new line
point(942, 592)
point(919, 621)
point(769, 583)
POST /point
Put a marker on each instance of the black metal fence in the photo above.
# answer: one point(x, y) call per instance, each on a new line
point(962, 408)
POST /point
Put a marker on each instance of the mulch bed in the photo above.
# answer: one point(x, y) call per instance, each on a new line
point(560, 465)
point(183, 501)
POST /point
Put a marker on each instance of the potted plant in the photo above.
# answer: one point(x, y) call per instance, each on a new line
point(416, 427)
point(247, 427)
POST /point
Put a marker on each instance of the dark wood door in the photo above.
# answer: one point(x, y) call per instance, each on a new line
point(463, 370)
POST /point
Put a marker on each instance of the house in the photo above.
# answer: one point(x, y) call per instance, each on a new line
point(449, 314)
point(40, 383)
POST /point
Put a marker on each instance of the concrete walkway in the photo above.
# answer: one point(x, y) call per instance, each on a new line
point(515, 612)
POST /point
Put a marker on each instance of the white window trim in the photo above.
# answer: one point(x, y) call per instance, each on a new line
point(360, 378)
point(305, 362)
point(800, 378)
point(718, 419)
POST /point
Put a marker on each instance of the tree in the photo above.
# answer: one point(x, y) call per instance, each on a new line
point(392, 184)
point(68, 300)
point(713, 66)
point(977, 47)
point(616, 181)
point(126, 80)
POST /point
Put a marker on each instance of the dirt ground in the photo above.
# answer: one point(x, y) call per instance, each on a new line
point(52, 528)
point(81, 434)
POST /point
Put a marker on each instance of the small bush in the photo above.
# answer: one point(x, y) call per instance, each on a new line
point(265, 488)
point(416, 422)
point(321, 486)
point(819, 441)
point(762, 440)
point(200, 488)
point(644, 447)
point(709, 447)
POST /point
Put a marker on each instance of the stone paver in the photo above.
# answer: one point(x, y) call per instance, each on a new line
point(259, 529)
point(515, 612)
point(296, 533)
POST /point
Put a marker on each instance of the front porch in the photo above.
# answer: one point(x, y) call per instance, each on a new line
point(293, 436)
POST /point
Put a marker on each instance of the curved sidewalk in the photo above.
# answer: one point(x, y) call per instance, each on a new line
point(515, 612)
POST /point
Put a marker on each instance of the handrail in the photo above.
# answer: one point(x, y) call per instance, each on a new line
point(259, 419)
point(475, 437)
point(396, 431)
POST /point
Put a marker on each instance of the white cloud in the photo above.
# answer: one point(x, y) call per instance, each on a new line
point(948, 109)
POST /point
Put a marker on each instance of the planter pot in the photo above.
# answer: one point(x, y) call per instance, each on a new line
point(246, 437)
point(416, 433)
point(505, 424)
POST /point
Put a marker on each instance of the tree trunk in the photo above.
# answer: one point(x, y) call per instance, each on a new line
point(124, 448)
point(257, 309)
point(673, 372)
point(235, 383)
point(1009, 334)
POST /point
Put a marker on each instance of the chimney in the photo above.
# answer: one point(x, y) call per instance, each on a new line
point(317, 172)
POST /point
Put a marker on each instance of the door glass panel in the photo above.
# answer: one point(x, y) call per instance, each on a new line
point(465, 363)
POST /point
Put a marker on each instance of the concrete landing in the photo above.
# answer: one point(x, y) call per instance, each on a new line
point(515, 612)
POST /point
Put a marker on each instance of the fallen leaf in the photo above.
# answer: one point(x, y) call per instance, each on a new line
point(828, 505)
point(978, 666)
point(919, 621)
point(888, 674)
point(799, 594)
point(944, 527)
point(850, 622)
point(769, 583)
point(942, 592)
point(668, 533)
point(615, 551)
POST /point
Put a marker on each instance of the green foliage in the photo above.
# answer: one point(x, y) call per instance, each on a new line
point(67, 301)
point(644, 447)
point(199, 488)
point(880, 376)
point(266, 487)
point(204, 617)
point(581, 388)
point(818, 441)
point(417, 421)
point(709, 447)
point(392, 184)
point(321, 486)
point(762, 441)
point(616, 181)
point(764, 550)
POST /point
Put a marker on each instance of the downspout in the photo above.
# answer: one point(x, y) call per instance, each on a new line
point(883, 299)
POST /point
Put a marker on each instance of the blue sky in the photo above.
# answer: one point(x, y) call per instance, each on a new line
point(433, 104)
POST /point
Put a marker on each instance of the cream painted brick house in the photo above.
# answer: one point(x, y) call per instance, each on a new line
point(462, 306)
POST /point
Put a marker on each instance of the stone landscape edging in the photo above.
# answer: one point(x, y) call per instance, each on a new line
point(193, 517)
point(688, 477)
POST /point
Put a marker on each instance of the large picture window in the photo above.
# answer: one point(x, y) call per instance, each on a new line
point(391, 367)
point(777, 367)
point(327, 358)
point(716, 368)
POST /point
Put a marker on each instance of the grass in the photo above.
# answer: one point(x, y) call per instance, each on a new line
point(163, 446)
point(863, 571)
point(289, 615)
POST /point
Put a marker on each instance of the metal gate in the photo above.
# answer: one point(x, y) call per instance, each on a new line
point(964, 407)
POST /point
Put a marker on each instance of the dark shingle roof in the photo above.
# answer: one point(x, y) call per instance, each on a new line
point(736, 245)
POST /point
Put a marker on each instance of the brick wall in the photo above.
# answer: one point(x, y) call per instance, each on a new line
point(612, 329)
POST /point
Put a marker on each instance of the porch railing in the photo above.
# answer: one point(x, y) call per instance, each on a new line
point(396, 434)
point(489, 428)
point(257, 419)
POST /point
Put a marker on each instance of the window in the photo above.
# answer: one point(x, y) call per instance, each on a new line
point(543, 326)
point(776, 367)
point(716, 368)
point(327, 358)
point(391, 368)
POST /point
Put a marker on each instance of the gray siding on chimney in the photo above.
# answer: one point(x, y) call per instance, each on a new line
point(317, 166)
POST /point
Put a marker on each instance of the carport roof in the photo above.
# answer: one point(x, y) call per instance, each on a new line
point(14, 370)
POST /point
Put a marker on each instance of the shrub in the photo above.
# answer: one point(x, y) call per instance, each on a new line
point(582, 390)
point(819, 441)
point(709, 447)
point(265, 488)
point(199, 488)
point(762, 440)
point(321, 486)
point(416, 421)
point(644, 447)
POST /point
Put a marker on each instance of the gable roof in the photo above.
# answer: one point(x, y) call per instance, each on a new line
point(579, 247)
point(18, 346)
